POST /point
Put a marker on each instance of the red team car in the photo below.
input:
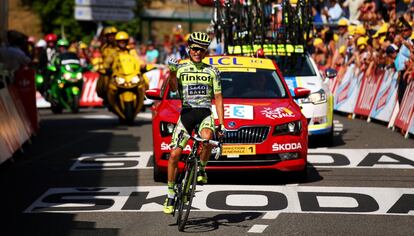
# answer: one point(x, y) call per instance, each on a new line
point(265, 127)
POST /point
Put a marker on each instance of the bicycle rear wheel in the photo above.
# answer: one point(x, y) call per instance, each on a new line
point(188, 186)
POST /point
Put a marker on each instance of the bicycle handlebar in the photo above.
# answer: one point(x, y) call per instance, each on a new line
point(196, 137)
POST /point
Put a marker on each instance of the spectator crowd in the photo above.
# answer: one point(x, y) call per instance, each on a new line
point(370, 34)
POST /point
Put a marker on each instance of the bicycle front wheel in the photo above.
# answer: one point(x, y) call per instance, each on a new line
point(188, 186)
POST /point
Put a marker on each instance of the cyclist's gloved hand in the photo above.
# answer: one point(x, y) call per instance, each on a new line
point(172, 63)
point(221, 131)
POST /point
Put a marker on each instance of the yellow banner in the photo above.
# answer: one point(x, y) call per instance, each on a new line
point(239, 150)
point(232, 69)
point(239, 62)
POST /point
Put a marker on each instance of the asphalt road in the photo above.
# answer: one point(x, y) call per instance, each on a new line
point(85, 174)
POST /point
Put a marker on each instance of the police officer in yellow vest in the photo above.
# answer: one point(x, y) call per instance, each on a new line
point(107, 49)
point(122, 39)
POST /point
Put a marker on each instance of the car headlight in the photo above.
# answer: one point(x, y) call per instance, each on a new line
point(166, 128)
point(316, 97)
point(119, 80)
point(293, 127)
point(79, 75)
point(135, 80)
point(67, 75)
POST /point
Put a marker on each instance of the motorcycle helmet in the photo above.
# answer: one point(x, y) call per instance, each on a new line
point(83, 45)
point(260, 53)
point(62, 43)
point(200, 38)
point(51, 37)
point(41, 43)
point(110, 30)
point(121, 35)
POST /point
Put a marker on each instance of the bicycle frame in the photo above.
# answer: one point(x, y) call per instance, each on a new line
point(186, 181)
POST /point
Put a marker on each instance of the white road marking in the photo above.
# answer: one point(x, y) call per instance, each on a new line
point(112, 161)
point(101, 116)
point(257, 229)
point(215, 198)
point(393, 158)
point(144, 116)
point(271, 215)
point(338, 127)
point(242, 200)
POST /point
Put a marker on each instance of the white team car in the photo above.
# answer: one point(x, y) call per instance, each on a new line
point(301, 71)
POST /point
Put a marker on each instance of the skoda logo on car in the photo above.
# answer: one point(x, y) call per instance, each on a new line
point(232, 124)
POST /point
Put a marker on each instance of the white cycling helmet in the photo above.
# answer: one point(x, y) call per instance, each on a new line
point(41, 43)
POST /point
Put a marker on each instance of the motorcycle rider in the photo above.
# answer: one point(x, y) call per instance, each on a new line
point(62, 58)
point(196, 96)
point(122, 39)
point(107, 50)
point(45, 59)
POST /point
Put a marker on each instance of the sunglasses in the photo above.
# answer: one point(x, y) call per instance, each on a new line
point(196, 49)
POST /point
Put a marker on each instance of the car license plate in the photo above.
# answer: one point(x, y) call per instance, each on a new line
point(239, 150)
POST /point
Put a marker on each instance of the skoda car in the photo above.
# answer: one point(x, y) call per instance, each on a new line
point(301, 71)
point(265, 126)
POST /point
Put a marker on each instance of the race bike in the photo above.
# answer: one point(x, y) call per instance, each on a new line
point(127, 88)
point(65, 84)
point(187, 180)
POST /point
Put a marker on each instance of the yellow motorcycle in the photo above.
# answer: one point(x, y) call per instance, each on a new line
point(126, 90)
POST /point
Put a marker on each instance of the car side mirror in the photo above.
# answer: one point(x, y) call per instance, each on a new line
point(301, 92)
point(154, 94)
point(330, 73)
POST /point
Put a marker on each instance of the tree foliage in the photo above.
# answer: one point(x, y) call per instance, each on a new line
point(58, 17)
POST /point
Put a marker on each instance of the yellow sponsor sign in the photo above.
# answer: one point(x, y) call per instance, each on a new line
point(239, 150)
point(232, 69)
point(239, 62)
point(236, 62)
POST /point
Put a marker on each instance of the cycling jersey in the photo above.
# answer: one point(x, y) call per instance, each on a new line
point(197, 84)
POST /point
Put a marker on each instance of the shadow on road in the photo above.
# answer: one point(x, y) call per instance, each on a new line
point(46, 164)
point(208, 224)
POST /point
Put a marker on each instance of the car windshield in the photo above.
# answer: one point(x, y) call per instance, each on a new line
point(294, 66)
point(258, 84)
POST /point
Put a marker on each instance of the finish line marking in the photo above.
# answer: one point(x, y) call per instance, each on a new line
point(233, 198)
point(393, 158)
point(257, 229)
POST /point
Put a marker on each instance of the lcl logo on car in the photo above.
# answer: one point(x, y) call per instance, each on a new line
point(292, 199)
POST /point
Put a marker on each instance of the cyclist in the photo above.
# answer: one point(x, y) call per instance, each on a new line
point(196, 82)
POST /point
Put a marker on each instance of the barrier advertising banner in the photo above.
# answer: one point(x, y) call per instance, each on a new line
point(89, 97)
point(6, 136)
point(411, 127)
point(10, 130)
point(41, 101)
point(347, 90)
point(26, 92)
point(386, 97)
point(406, 109)
point(368, 92)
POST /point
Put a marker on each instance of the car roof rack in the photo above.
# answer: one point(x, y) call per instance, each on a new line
point(245, 26)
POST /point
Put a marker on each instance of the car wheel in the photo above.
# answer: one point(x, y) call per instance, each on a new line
point(301, 175)
point(157, 174)
point(328, 138)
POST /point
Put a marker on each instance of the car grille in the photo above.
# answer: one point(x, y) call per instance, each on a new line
point(247, 135)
